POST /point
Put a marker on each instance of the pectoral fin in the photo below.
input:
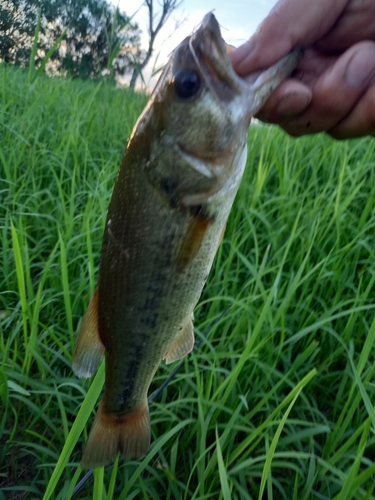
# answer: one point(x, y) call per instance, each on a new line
point(183, 344)
point(89, 349)
point(193, 237)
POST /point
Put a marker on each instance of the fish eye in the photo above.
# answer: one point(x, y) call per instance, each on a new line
point(187, 83)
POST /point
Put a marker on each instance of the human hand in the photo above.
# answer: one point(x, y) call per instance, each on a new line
point(333, 87)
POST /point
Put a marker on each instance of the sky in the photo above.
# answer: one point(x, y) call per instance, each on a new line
point(238, 20)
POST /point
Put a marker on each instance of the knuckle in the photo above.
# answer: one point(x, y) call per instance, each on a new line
point(330, 107)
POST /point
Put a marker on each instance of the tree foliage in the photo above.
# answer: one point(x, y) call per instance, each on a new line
point(100, 39)
point(17, 27)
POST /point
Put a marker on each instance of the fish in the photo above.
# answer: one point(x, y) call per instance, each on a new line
point(175, 187)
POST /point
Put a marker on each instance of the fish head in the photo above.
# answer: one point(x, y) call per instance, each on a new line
point(201, 101)
point(196, 98)
point(199, 113)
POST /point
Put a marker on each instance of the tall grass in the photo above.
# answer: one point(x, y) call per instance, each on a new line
point(278, 402)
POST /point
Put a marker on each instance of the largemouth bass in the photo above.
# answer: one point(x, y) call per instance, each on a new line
point(174, 191)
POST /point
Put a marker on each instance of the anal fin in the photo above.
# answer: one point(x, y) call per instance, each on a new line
point(89, 348)
point(183, 344)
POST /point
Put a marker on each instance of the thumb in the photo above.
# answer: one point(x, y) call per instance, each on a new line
point(290, 23)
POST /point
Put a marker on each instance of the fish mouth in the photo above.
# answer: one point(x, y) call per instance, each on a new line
point(215, 43)
point(210, 54)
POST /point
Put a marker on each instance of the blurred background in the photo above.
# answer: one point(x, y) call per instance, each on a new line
point(127, 41)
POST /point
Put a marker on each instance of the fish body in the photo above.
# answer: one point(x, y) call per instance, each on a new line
point(176, 185)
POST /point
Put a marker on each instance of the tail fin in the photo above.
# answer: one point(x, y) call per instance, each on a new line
point(128, 434)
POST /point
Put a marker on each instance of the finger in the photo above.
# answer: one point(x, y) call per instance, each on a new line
point(337, 91)
point(356, 24)
point(313, 65)
point(360, 121)
point(293, 96)
point(290, 99)
point(288, 25)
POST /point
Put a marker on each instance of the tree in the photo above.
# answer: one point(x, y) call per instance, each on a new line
point(17, 28)
point(167, 7)
point(99, 38)
point(97, 32)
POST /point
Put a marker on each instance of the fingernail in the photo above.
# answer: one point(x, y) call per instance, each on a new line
point(241, 52)
point(293, 103)
point(361, 68)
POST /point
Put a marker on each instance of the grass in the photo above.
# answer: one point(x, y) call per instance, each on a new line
point(278, 402)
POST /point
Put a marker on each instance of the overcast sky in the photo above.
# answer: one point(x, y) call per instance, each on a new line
point(238, 19)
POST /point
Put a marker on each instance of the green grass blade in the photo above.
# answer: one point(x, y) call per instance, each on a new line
point(83, 415)
point(225, 490)
point(112, 482)
point(98, 483)
point(270, 454)
point(21, 282)
point(153, 451)
point(66, 289)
